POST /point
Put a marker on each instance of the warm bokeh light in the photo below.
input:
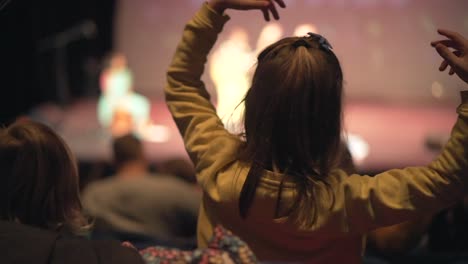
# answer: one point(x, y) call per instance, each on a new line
point(269, 34)
point(303, 29)
point(437, 89)
point(155, 133)
point(229, 67)
point(358, 147)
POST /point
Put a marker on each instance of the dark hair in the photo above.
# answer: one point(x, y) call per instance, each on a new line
point(39, 179)
point(127, 148)
point(292, 120)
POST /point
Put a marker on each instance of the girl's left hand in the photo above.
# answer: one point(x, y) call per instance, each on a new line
point(266, 6)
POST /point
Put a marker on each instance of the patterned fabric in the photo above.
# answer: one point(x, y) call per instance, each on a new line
point(224, 248)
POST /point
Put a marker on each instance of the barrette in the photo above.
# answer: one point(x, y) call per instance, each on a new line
point(322, 40)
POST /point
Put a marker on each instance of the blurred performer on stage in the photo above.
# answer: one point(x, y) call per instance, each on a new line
point(231, 88)
point(120, 109)
point(230, 63)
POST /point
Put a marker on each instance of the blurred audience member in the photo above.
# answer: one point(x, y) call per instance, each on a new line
point(140, 207)
point(40, 210)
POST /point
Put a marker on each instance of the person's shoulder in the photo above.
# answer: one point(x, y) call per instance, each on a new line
point(101, 184)
point(97, 190)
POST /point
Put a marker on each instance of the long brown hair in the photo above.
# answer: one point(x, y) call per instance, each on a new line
point(39, 179)
point(292, 119)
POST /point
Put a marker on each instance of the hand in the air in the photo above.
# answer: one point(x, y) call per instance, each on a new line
point(456, 59)
point(266, 6)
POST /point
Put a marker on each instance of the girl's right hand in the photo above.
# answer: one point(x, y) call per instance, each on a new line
point(457, 59)
point(266, 6)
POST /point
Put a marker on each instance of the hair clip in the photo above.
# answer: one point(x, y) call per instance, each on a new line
point(322, 40)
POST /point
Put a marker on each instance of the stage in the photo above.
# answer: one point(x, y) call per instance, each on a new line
point(382, 135)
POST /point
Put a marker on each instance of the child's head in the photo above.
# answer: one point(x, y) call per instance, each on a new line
point(293, 117)
point(293, 109)
point(39, 179)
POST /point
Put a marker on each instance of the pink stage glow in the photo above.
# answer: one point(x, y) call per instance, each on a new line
point(383, 45)
point(395, 96)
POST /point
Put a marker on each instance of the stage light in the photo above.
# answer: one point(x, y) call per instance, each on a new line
point(358, 147)
point(155, 133)
point(229, 70)
point(437, 89)
point(270, 33)
point(303, 29)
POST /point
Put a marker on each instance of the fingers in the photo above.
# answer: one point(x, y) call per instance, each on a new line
point(271, 8)
point(252, 4)
point(455, 36)
point(266, 6)
point(446, 42)
point(266, 14)
point(452, 71)
point(443, 65)
point(448, 55)
point(273, 11)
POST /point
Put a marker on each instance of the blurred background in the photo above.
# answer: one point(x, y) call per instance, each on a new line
point(399, 107)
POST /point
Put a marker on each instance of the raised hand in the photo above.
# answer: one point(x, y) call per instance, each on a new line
point(456, 59)
point(266, 6)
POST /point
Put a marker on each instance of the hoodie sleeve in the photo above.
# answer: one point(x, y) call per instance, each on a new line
point(209, 145)
point(363, 203)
